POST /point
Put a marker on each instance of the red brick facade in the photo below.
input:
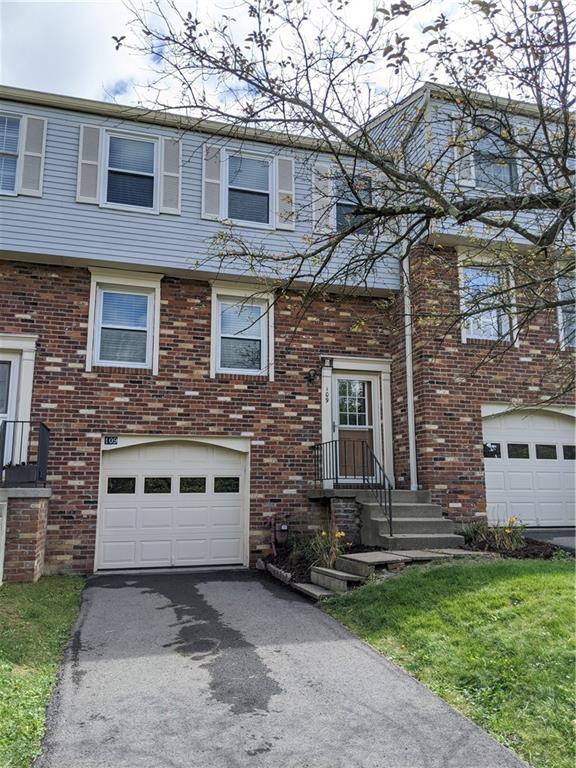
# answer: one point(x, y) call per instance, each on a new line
point(25, 538)
point(282, 418)
point(453, 379)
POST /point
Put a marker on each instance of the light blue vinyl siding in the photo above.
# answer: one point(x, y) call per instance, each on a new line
point(55, 225)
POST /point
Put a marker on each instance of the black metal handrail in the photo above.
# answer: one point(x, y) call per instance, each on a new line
point(23, 453)
point(354, 463)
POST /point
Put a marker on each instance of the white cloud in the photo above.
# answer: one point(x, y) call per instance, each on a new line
point(67, 47)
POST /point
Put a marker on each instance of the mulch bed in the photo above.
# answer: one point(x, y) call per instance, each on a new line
point(532, 550)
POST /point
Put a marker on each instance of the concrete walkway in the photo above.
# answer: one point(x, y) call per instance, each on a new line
point(228, 670)
point(561, 537)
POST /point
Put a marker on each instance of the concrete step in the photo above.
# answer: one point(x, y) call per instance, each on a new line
point(332, 579)
point(418, 525)
point(402, 497)
point(365, 563)
point(312, 590)
point(420, 541)
point(349, 564)
point(411, 509)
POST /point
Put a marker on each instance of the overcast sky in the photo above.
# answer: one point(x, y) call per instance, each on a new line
point(66, 47)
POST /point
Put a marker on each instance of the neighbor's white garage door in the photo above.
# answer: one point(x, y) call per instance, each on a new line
point(529, 464)
point(171, 504)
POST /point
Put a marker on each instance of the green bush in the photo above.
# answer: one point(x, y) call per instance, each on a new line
point(501, 538)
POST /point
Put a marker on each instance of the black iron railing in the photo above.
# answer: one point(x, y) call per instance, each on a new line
point(353, 463)
point(23, 453)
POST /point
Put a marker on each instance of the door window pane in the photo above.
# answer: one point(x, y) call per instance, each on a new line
point(121, 485)
point(352, 403)
point(569, 452)
point(492, 451)
point(4, 385)
point(192, 485)
point(157, 485)
point(226, 485)
point(546, 452)
point(518, 451)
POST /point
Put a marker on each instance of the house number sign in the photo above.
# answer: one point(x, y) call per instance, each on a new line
point(111, 440)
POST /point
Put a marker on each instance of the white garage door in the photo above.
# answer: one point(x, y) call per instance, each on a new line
point(529, 464)
point(171, 504)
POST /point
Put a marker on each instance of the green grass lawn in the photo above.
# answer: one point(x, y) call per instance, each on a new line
point(493, 638)
point(35, 621)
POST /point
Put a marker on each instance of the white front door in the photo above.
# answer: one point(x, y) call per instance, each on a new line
point(9, 364)
point(529, 461)
point(356, 414)
point(172, 503)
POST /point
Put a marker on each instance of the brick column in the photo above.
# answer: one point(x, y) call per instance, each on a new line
point(25, 533)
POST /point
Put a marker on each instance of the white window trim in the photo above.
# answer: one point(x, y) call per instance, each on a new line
point(20, 118)
point(561, 325)
point(468, 258)
point(224, 186)
point(119, 280)
point(222, 289)
point(25, 346)
point(154, 140)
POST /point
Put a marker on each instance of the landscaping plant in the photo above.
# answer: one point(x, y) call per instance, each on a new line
point(500, 538)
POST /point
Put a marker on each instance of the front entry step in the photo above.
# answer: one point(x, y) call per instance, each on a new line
point(330, 578)
point(403, 541)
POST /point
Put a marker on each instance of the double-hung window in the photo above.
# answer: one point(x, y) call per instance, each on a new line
point(123, 327)
point(347, 201)
point(131, 172)
point(242, 335)
point(249, 189)
point(485, 302)
point(494, 162)
point(567, 312)
point(9, 136)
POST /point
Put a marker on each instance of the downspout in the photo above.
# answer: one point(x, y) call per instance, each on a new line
point(409, 374)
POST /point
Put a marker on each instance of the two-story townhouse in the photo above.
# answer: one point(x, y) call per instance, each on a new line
point(185, 391)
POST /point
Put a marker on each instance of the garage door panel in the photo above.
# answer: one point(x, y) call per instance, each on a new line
point(156, 517)
point(520, 481)
point(539, 489)
point(496, 480)
point(116, 517)
point(118, 553)
point(188, 551)
point(548, 481)
point(156, 552)
point(226, 549)
point(191, 517)
point(190, 525)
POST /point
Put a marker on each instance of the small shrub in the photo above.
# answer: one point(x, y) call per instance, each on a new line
point(508, 537)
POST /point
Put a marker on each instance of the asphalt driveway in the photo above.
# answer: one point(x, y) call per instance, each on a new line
point(226, 670)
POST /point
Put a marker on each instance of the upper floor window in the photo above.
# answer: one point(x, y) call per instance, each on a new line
point(131, 172)
point(124, 319)
point(9, 135)
point(347, 201)
point(249, 189)
point(485, 300)
point(567, 312)
point(494, 162)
